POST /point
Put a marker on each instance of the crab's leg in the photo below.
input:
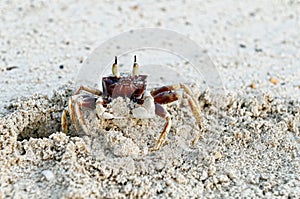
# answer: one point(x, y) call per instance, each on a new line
point(64, 121)
point(161, 111)
point(84, 102)
point(89, 90)
point(195, 109)
point(164, 95)
point(75, 104)
point(173, 87)
point(189, 92)
point(162, 89)
point(196, 112)
point(71, 112)
point(87, 101)
point(80, 117)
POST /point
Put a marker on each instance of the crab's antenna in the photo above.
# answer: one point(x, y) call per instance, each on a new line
point(135, 69)
point(115, 68)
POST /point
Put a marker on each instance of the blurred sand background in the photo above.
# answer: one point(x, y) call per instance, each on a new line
point(252, 152)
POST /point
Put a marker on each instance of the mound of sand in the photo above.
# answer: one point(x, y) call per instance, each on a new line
point(249, 148)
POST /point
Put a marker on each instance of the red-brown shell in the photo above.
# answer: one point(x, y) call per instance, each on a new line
point(129, 86)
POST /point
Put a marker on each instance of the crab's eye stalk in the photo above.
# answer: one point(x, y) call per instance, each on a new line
point(115, 68)
point(135, 69)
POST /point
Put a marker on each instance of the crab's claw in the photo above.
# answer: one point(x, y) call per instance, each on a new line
point(147, 110)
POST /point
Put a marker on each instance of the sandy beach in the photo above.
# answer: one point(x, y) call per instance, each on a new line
point(250, 142)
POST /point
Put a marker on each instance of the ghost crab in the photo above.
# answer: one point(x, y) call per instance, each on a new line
point(132, 86)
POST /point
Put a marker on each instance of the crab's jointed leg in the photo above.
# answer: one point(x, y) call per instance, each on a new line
point(76, 102)
point(195, 109)
point(167, 94)
point(79, 115)
point(64, 121)
point(72, 100)
point(161, 111)
point(89, 90)
point(163, 95)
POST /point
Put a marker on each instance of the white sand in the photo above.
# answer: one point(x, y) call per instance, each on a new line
point(250, 146)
